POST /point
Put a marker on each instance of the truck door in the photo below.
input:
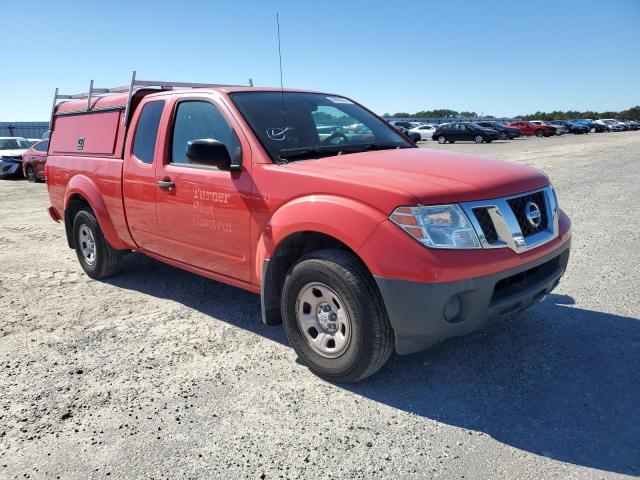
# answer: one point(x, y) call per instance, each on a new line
point(139, 176)
point(203, 212)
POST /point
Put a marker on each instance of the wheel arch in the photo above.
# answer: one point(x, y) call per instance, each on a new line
point(82, 193)
point(303, 226)
point(288, 252)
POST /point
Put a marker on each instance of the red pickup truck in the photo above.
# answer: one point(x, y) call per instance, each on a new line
point(358, 243)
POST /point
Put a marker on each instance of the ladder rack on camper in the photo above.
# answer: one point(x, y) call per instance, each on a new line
point(134, 86)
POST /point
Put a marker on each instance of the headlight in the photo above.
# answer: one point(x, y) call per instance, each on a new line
point(441, 226)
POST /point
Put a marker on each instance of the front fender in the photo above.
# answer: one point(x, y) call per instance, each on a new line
point(344, 219)
point(87, 189)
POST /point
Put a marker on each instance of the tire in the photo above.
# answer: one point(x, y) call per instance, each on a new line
point(539, 133)
point(479, 139)
point(442, 139)
point(504, 136)
point(31, 174)
point(104, 260)
point(363, 336)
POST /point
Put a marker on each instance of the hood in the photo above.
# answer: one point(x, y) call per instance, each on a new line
point(432, 176)
point(13, 153)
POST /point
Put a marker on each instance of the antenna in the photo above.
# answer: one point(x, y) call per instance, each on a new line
point(284, 114)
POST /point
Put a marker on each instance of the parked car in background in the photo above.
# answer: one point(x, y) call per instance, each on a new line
point(623, 125)
point(635, 125)
point(611, 125)
point(578, 128)
point(630, 125)
point(33, 161)
point(425, 131)
point(505, 133)
point(530, 129)
point(561, 128)
point(586, 121)
point(414, 136)
point(558, 131)
point(461, 131)
point(11, 151)
point(404, 124)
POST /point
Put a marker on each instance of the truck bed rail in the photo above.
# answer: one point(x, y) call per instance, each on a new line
point(134, 86)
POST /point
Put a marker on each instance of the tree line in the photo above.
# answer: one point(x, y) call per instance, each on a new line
point(632, 113)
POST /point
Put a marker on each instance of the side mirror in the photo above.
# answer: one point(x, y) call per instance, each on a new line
point(208, 151)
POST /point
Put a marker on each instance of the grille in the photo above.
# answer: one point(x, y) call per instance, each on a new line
point(518, 208)
point(486, 224)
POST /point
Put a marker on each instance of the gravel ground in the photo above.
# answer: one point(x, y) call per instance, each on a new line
point(158, 373)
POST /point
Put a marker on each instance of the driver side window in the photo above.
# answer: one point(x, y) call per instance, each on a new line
point(331, 122)
point(199, 119)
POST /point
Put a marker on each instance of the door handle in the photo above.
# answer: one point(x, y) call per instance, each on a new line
point(165, 185)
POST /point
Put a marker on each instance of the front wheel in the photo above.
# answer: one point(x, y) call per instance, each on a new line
point(539, 133)
point(479, 139)
point(31, 174)
point(442, 139)
point(97, 258)
point(334, 316)
point(504, 136)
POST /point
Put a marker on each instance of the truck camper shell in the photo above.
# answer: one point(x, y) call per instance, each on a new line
point(106, 112)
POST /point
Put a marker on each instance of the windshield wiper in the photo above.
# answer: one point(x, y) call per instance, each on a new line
point(383, 146)
point(329, 150)
point(308, 152)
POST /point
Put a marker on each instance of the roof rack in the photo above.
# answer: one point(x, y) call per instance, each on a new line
point(134, 86)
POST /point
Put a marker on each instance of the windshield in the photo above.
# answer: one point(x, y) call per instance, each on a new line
point(13, 144)
point(313, 125)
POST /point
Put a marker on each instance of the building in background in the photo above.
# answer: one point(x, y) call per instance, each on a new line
point(23, 129)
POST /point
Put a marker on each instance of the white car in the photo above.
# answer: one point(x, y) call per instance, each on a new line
point(611, 124)
point(425, 131)
point(11, 150)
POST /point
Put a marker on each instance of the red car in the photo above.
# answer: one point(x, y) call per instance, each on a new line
point(530, 129)
point(359, 244)
point(34, 160)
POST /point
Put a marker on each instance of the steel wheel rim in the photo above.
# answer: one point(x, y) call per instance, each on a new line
point(323, 319)
point(87, 244)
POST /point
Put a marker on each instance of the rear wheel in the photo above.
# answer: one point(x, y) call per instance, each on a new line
point(97, 258)
point(334, 317)
point(479, 139)
point(31, 174)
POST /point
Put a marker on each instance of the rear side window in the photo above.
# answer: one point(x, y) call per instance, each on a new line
point(41, 146)
point(144, 143)
point(195, 120)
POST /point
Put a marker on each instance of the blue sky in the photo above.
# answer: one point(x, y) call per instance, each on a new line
point(497, 57)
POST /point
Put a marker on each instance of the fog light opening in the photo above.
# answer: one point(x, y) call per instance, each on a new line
point(452, 309)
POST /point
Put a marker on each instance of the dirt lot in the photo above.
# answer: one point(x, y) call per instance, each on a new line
point(158, 373)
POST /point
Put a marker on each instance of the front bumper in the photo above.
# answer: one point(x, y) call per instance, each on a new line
point(417, 309)
point(10, 169)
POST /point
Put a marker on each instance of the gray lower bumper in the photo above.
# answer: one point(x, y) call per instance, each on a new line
point(417, 309)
